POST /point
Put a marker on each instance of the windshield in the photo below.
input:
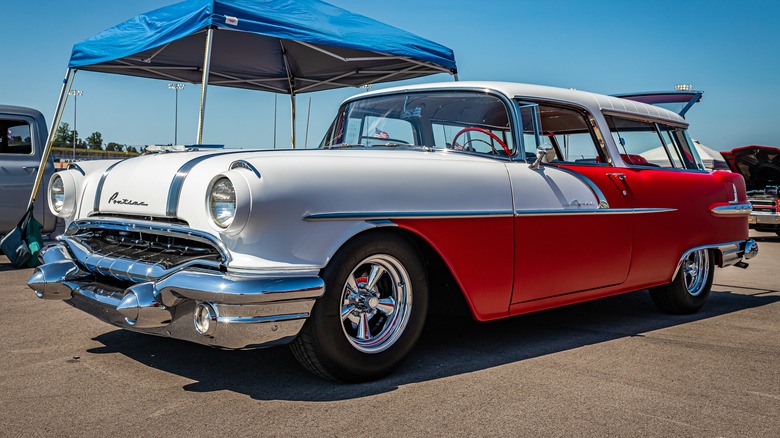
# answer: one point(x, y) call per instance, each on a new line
point(465, 121)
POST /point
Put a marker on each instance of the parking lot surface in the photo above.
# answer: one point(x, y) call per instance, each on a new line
point(612, 367)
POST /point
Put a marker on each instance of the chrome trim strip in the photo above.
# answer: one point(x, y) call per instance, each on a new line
point(243, 164)
point(378, 216)
point(99, 191)
point(77, 168)
point(151, 228)
point(732, 210)
point(389, 215)
point(260, 319)
point(174, 192)
point(592, 211)
point(591, 185)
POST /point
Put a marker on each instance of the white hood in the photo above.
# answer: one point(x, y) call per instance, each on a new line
point(142, 185)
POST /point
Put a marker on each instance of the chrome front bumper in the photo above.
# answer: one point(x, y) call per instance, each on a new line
point(768, 220)
point(205, 306)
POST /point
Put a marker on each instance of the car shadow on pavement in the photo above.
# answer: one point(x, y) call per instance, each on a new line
point(448, 347)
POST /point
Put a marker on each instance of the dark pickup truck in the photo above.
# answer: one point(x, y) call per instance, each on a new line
point(22, 142)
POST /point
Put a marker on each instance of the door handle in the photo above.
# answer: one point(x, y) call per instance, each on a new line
point(622, 178)
point(32, 168)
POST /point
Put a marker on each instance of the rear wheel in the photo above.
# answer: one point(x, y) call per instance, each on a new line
point(690, 289)
point(372, 313)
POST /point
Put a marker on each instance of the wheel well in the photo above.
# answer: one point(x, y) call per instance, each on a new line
point(446, 297)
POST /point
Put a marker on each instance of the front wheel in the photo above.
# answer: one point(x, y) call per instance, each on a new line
point(690, 289)
point(372, 313)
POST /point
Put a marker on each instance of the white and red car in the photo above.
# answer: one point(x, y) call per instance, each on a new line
point(516, 197)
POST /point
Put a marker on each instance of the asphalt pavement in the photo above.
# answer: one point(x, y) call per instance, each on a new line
point(611, 367)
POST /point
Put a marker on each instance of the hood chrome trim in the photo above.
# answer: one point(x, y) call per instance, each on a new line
point(99, 191)
point(174, 192)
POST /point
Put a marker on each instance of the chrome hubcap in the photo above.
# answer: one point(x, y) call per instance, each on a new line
point(696, 269)
point(376, 303)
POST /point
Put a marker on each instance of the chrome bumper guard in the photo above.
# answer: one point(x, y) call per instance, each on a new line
point(200, 305)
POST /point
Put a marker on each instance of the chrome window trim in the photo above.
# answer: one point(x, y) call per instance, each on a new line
point(99, 191)
point(509, 105)
point(591, 120)
point(390, 215)
point(644, 118)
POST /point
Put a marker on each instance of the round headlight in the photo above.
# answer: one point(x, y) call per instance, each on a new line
point(57, 193)
point(222, 202)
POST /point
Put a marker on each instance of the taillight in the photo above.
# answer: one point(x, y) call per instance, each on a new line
point(777, 205)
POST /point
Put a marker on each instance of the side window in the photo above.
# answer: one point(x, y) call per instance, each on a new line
point(569, 132)
point(652, 144)
point(15, 137)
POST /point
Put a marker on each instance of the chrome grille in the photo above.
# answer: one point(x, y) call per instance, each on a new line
point(140, 252)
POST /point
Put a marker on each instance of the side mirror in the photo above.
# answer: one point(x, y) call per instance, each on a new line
point(544, 154)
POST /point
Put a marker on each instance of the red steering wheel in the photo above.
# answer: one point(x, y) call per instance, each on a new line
point(486, 132)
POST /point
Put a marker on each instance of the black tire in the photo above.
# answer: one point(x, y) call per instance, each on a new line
point(778, 233)
point(382, 321)
point(690, 289)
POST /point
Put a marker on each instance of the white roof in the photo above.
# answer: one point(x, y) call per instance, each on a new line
point(592, 101)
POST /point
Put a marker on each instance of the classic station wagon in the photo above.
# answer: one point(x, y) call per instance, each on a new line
point(517, 197)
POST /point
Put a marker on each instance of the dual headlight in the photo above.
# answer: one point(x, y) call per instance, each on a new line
point(228, 202)
point(62, 194)
point(222, 202)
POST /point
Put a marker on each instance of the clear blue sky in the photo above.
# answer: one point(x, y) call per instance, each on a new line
point(730, 50)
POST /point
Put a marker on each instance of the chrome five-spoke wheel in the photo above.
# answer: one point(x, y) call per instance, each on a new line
point(376, 303)
point(373, 310)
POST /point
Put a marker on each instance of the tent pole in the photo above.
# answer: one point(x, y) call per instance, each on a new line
point(308, 117)
point(292, 113)
point(205, 83)
point(55, 122)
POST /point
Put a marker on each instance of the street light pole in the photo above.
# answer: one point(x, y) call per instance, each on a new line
point(176, 87)
point(75, 94)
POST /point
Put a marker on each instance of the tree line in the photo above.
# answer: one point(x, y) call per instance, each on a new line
point(94, 142)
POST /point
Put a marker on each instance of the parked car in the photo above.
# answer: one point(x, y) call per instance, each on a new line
point(516, 197)
point(760, 165)
point(22, 140)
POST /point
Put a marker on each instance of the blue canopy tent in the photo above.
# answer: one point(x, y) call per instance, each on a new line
point(282, 46)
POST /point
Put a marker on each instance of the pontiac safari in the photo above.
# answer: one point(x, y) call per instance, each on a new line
point(523, 197)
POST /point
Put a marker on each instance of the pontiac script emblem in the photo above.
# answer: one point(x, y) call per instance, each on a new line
point(124, 201)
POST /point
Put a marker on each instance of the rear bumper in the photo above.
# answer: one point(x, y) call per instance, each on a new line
point(205, 306)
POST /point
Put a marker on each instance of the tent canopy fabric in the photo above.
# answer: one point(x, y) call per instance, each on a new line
point(282, 46)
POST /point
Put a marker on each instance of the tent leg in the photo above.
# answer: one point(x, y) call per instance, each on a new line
point(292, 114)
point(55, 122)
point(205, 83)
